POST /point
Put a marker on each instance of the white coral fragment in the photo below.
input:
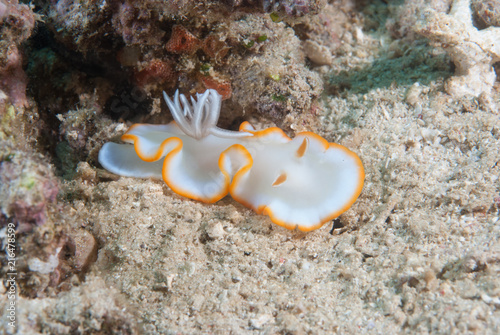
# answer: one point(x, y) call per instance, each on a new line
point(37, 265)
point(473, 51)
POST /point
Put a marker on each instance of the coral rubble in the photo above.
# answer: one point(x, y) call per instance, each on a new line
point(195, 46)
point(27, 185)
point(487, 12)
point(16, 24)
point(473, 51)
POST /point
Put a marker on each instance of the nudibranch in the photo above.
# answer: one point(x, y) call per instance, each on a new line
point(299, 183)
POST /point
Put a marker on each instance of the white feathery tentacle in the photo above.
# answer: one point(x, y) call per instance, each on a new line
point(219, 132)
point(188, 111)
point(198, 113)
point(176, 100)
point(215, 104)
point(176, 112)
point(193, 103)
point(199, 117)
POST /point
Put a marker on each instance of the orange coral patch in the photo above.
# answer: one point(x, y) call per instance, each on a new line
point(222, 86)
point(157, 71)
point(182, 41)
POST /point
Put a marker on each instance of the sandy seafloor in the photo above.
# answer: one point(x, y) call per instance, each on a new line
point(418, 252)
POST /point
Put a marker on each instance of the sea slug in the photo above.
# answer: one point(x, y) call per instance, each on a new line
point(299, 183)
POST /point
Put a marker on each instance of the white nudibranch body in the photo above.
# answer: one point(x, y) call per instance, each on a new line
point(299, 183)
